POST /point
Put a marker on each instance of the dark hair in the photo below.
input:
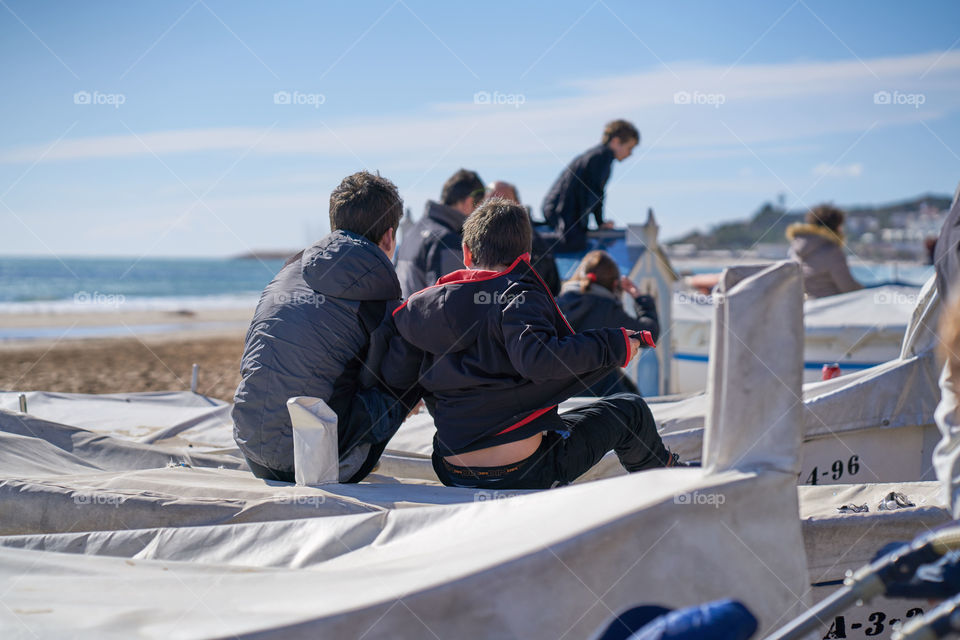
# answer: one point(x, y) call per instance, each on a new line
point(365, 204)
point(620, 129)
point(826, 215)
point(597, 267)
point(497, 233)
point(463, 184)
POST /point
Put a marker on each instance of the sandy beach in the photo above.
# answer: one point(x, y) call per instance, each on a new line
point(153, 351)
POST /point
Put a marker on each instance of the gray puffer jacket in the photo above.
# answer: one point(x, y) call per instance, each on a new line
point(822, 260)
point(308, 337)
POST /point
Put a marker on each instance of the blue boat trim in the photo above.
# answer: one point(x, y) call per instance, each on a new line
point(692, 357)
point(857, 366)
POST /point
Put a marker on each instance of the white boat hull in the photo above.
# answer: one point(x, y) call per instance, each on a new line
point(857, 331)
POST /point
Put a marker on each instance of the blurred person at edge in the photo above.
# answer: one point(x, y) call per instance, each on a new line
point(578, 191)
point(592, 299)
point(431, 247)
point(946, 455)
point(541, 257)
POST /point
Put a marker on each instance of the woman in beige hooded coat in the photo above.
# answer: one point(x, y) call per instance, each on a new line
point(817, 245)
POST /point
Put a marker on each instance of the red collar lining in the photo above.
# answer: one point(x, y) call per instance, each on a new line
point(467, 275)
point(476, 275)
point(479, 275)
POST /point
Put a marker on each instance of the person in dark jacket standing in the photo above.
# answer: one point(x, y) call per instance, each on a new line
point(592, 300)
point(579, 190)
point(431, 248)
point(311, 330)
point(495, 356)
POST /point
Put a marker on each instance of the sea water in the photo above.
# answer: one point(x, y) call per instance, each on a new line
point(79, 285)
point(868, 274)
point(103, 286)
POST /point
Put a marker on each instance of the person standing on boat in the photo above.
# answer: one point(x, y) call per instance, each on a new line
point(494, 357)
point(592, 300)
point(431, 248)
point(946, 455)
point(541, 257)
point(578, 192)
point(310, 334)
point(817, 244)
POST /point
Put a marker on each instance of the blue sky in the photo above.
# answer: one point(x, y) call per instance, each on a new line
point(183, 149)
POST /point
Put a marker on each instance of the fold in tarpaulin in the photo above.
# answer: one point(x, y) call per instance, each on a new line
point(148, 418)
point(405, 573)
point(133, 567)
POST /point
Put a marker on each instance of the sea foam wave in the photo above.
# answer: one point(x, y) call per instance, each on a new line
point(96, 302)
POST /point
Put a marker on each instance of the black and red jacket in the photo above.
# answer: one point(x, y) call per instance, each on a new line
point(495, 356)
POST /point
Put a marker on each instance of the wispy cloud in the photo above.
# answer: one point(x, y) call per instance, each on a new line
point(827, 170)
point(765, 103)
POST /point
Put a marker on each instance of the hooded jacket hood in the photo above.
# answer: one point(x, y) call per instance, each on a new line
point(822, 260)
point(805, 238)
point(347, 265)
point(446, 215)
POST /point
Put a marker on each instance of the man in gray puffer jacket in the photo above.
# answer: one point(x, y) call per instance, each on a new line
point(311, 332)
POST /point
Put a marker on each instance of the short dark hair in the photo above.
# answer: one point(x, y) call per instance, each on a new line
point(463, 184)
point(367, 204)
point(826, 215)
point(620, 129)
point(497, 233)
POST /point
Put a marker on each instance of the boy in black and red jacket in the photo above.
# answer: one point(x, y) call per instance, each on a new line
point(495, 356)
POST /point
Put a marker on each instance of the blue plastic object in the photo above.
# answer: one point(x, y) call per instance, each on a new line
point(720, 620)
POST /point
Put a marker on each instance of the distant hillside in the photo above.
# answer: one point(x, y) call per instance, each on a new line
point(266, 254)
point(769, 224)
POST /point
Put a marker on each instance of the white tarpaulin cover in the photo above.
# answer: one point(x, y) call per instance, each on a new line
point(150, 526)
